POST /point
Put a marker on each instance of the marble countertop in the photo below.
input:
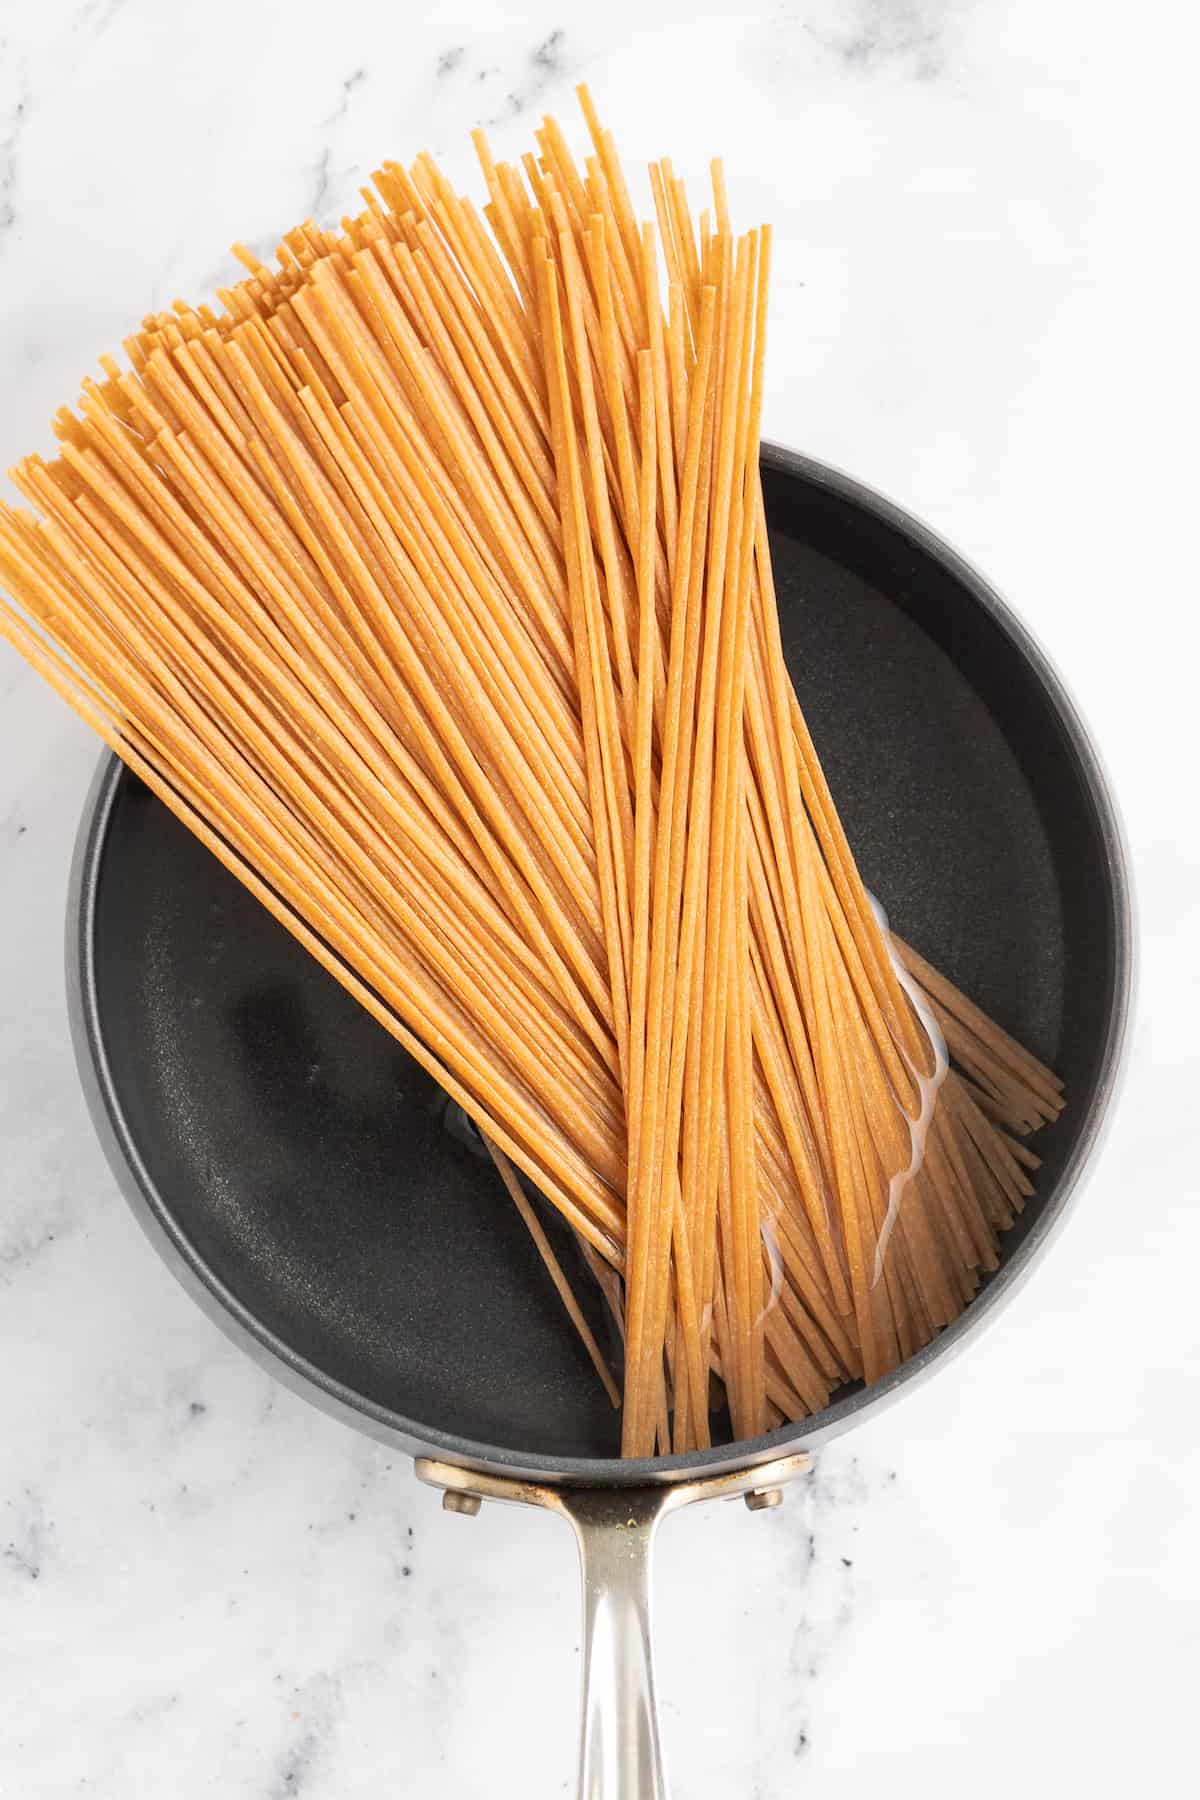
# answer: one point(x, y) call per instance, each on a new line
point(981, 307)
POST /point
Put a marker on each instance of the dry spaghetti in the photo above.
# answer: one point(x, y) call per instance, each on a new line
point(428, 582)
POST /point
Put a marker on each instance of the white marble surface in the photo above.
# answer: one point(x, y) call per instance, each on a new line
point(984, 209)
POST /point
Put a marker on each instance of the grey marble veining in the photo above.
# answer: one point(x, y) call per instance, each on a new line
point(332, 131)
point(13, 113)
point(982, 305)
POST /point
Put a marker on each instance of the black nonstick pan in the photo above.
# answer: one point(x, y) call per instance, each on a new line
point(321, 1199)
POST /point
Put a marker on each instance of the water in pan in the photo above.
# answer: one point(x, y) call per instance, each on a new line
point(928, 1082)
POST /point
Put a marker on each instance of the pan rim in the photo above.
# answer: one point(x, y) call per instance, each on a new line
point(241, 1324)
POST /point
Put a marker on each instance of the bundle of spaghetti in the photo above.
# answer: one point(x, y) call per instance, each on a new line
point(895, 1033)
point(428, 581)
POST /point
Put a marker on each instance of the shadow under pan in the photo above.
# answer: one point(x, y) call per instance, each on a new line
point(307, 1167)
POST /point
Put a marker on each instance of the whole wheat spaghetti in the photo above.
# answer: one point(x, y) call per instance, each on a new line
point(428, 582)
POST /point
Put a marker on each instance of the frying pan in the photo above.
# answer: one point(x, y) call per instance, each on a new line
point(323, 1202)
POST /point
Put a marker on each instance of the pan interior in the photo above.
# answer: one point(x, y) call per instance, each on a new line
point(314, 1172)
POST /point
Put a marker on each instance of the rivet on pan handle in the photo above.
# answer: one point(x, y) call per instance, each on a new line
point(620, 1756)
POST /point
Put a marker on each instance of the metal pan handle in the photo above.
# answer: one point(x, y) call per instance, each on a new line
point(620, 1756)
